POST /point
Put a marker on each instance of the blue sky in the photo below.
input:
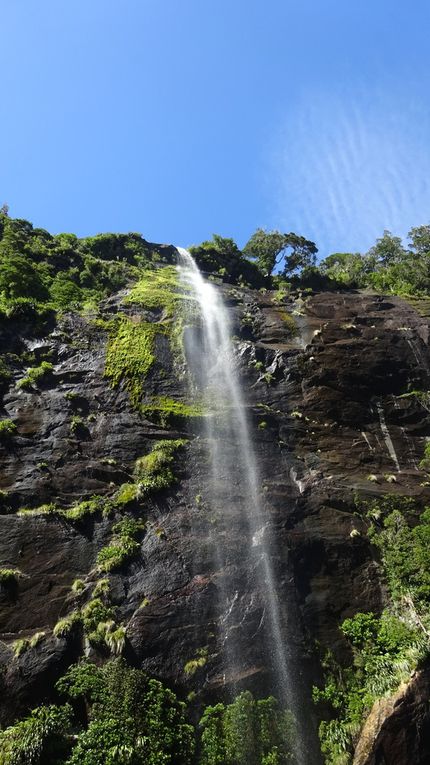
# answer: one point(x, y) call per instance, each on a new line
point(180, 118)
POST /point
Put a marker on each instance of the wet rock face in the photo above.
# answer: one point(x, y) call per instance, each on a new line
point(329, 421)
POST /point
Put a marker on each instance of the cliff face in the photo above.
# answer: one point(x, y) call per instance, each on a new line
point(329, 423)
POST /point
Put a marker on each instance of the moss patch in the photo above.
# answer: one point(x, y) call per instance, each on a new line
point(130, 354)
point(160, 288)
point(167, 410)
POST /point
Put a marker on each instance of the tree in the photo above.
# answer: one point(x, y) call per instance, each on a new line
point(348, 268)
point(420, 239)
point(272, 248)
point(388, 249)
point(19, 278)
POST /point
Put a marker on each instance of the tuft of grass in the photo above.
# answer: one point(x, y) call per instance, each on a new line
point(65, 625)
point(199, 661)
point(124, 544)
point(35, 375)
point(153, 472)
point(102, 587)
point(9, 576)
point(7, 430)
point(20, 646)
point(78, 586)
point(36, 639)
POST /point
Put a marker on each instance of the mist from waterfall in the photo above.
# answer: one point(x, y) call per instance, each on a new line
point(234, 471)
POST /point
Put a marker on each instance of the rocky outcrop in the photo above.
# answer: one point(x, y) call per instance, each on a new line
point(397, 729)
point(330, 420)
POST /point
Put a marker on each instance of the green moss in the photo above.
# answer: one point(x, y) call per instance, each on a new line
point(126, 494)
point(130, 354)
point(74, 513)
point(95, 504)
point(160, 288)
point(35, 375)
point(168, 410)
point(48, 509)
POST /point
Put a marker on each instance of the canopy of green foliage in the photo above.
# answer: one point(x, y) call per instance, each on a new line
point(117, 715)
point(290, 252)
point(388, 267)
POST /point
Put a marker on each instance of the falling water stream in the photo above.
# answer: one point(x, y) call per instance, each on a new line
point(234, 473)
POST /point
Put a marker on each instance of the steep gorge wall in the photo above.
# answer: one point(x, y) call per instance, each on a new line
point(329, 423)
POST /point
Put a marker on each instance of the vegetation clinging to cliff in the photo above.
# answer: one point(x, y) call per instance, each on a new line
point(385, 648)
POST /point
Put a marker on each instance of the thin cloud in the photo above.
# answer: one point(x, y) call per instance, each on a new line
point(347, 167)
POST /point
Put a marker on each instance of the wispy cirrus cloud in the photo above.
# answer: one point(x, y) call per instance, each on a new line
point(348, 165)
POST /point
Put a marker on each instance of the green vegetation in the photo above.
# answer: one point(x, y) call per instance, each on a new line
point(7, 430)
point(222, 256)
point(23, 644)
point(272, 248)
point(247, 732)
point(386, 648)
point(77, 512)
point(153, 472)
point(198, 662)
point(131, 718)
point(289, 324)
point(36, 375)
point(96, 619)
point(43, 738)
point(159, 288)
point(388, 267)
point(40, 273)
point(131, 354)
point(124, 544)
point(168, 410)
point(78, 427)
point(65, 625)
point(9, 576)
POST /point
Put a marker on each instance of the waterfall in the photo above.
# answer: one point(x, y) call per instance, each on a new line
point(234, 473)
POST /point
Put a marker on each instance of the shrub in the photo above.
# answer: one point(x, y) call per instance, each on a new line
point(40, 739)
point(7, 430)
